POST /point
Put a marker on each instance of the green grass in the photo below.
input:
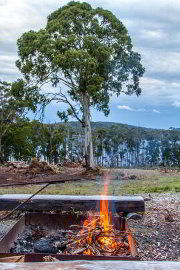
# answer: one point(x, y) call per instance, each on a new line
point(154, 184)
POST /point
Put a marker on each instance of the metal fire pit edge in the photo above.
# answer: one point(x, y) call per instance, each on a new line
point(52, 220)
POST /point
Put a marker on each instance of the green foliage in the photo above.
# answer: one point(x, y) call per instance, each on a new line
point(25, 140)
point(18, 141)
point(16, 99)
point(87, 49)
point(153, 152)
point(53, 139)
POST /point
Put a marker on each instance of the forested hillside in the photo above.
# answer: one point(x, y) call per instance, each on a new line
point(115, 145)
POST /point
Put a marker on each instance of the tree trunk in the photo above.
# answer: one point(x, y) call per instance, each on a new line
point(67, 145)
point(88, 149)
point(1, 154)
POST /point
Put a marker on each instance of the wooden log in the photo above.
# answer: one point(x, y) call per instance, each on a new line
point(95, 265)
point(126, 204)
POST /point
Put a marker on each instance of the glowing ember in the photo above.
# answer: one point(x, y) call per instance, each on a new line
point(108, 242)
point(88, 252)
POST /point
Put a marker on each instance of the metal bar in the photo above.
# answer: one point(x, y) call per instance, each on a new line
point(37, 257)
point(131, 241)
point(11, 236)
point(13, 259)
point(21, 204)
point(44, 182)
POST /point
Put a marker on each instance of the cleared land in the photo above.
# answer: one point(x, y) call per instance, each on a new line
point(157, 233)
point(123, 182)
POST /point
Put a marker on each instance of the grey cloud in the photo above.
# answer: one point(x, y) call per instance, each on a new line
point(153, 36)
point(161, 65)
point(8, 70)
point(141, 17)
point(164, 11)
point(154, 29)
point(7, 48)
point(3, 2)
point(165, 76)
point(152, 25)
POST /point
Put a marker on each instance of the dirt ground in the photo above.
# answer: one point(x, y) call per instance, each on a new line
point(12, 174)
point(41, 171)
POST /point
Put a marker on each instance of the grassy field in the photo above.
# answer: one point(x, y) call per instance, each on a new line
point(147, 181)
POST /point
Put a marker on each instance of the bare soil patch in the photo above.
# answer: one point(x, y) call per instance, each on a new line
point(39, 171)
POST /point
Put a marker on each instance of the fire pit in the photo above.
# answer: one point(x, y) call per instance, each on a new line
point(99, 234)
point(69, 237)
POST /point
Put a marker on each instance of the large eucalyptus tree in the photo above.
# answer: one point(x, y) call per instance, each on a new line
point(87, 55)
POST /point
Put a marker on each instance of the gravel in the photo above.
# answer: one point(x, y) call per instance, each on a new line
point(158, 232)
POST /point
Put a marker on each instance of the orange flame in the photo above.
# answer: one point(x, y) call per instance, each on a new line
point(106, 220)
point(104, 206)
point(107, 241)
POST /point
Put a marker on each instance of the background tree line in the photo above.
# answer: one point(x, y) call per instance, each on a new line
point(115, 145)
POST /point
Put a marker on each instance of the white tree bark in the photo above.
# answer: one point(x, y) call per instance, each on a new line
point(0, 147)
point(1, 151)
point(87, 131)
point(67, 145)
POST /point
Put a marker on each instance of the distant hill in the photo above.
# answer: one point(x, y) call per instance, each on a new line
point(172, 128)
point(117, 127)
point(99, 124)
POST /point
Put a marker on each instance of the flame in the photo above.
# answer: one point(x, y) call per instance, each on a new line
point(105, 222)
point(106, 219)
point(88, 252)
point(104, 207)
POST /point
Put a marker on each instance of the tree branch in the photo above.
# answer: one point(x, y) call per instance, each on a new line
point(62, 98)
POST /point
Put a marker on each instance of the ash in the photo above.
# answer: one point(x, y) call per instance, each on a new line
point(39, 239)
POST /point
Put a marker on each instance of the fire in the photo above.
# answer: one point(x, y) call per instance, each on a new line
point(106, 219)
point(106, 241)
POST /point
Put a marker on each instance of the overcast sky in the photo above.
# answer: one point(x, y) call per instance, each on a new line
point(154, 28)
